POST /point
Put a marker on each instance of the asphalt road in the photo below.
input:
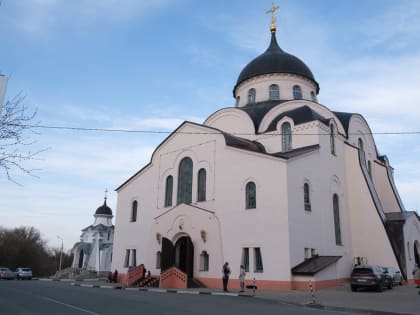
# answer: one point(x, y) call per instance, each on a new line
point(40, 297)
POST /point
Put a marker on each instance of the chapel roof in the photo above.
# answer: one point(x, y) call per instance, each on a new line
point(275, 60)
point(314, 264)
point(104, 209)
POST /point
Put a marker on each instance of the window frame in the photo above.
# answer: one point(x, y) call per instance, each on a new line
point(250, 195)
point(204, 261)
point(307, 197)
point(258, 261)
point(337, 222)
point(286, 136)
point(134, 210)
point(252, 95)
point(245, 258)
point(201, 185)
point(185, 181)
point(169, 188)
point(274, 92)
point(297, 92)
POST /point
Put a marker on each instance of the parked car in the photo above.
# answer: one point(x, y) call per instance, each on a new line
point(395, 275)
point(6, 273)
point(370, 277)
point(23, 273)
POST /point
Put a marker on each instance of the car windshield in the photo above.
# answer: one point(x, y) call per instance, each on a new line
point(26, 269)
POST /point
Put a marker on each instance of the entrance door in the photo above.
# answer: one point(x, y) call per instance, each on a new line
point(167, 258)
point(181, 255)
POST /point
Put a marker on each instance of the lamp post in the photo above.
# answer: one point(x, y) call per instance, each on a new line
point(61, 253)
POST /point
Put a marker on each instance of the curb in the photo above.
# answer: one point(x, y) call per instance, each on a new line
point(158, 290)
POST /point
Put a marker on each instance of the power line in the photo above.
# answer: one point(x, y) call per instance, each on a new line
point(201, 133)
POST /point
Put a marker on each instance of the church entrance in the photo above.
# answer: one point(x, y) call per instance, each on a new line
point(180, 255)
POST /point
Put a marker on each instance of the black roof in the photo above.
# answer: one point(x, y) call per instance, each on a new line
point(299, 115)
point(104, 209)
point(344, 119)
point(313, 265)
point(275, 60)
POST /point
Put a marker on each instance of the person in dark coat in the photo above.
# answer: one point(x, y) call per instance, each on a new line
point(115, 276)
point(226, 274)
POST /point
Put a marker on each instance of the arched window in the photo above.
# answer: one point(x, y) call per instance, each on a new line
point(332, 139)
point(297, 92)
point(134, 211)
point(360, 143)
point(201, 185)
point(168, 191)
point(313, 96)
point(237, 100)
point(158, 254)
point(337, 228)
point(306, 197)
point(251, 196)
point(274, 93)
point(185, 176)
point(286, 137)
point(251, 96)
point(204, 261)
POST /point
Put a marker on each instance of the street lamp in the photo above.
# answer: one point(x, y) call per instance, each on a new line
point(61, 252)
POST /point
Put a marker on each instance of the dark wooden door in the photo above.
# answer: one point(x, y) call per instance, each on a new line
point(167, 258)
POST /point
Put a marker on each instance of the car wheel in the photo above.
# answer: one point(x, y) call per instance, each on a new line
point(353, 288)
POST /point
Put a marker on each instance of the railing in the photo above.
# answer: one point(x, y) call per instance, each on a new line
point(173, 278)
point(135, 274)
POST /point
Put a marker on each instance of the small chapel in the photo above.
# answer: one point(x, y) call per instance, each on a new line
point(279, 183)
point(94, 251)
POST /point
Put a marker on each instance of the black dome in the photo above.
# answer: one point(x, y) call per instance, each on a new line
point(104, 209)
point(275, 60)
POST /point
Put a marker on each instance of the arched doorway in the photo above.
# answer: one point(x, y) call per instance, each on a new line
point(180, 255)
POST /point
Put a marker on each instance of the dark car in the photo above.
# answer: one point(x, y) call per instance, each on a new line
point(372, 277)
point(6, 273)
point(395, 275)
point(23, 273)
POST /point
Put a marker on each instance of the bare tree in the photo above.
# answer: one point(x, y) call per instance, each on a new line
point(16, 127)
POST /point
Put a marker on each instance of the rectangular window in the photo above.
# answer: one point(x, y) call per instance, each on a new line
point(245, 258)
point(127, 258)
point(258, 263)
point(133, 258)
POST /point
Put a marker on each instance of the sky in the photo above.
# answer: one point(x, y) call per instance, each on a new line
point(150, 65)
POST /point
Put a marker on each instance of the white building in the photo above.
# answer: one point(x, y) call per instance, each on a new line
point(94, 251)
point(280, 183)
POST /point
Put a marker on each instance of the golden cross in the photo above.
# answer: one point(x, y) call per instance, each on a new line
point(273, 18)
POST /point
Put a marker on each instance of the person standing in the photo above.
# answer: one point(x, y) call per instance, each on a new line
point(226, 274)
point(416, 276)
point(242, 274)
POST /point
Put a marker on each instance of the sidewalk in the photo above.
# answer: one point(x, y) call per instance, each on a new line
point(400, 300)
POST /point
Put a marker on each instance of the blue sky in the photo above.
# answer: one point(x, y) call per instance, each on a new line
point(149, 65)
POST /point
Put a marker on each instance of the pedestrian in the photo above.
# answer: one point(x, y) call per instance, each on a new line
point(242, 274)
point(226, 274)
point(115, 276)
point(416, 275)
point(110, 276)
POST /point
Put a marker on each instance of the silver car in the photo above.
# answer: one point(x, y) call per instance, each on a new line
point(23, 273)
point(6, 273)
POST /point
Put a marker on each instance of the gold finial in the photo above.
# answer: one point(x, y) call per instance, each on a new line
point(273, 18)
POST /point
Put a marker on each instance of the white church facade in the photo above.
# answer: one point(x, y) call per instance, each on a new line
point(279, 183)
point(94, 251)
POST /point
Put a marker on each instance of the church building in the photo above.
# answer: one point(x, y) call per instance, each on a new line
point(94, 251)
point(285, 186)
